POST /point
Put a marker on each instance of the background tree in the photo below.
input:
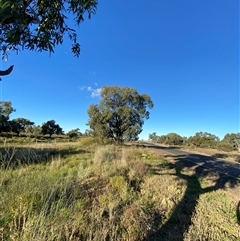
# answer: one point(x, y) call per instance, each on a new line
point(41, 24)
point(204, 140)
point(50, 128)
point(75, 133)
point(173, 139)
point(34, 130)
point(88, 132)
point(20, 124)
point(224, 146)
point(153, 137)
point(162, 139)
point(169, 139)
point(5, 110)
point(233, 139)
point(120, 114)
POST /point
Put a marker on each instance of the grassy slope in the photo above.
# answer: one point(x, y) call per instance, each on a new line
point(85, 191)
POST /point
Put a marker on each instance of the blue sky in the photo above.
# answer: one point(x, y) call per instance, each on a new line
point(182, 53)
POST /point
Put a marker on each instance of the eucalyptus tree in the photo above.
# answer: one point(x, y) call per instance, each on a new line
point(203, 139)
point(120, 114)
point(153, 137)
point(41, 24)
point(33, 130)
point(173, 139)
point(20, 124)
point(233, 139)
point(50, 127)
point(74, 133)
point(5, 110)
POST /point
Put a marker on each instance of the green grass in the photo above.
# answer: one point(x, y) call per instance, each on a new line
point(87, 191)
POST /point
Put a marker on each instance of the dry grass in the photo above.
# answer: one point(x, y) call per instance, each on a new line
point(114, 193)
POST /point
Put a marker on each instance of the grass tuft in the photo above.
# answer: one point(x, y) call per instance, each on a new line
point(85, 191)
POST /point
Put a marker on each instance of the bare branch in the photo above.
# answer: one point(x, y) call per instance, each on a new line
point(7, 71)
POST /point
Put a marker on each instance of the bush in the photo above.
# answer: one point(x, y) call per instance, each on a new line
point(104, 154)
point(89, 141)
point(224, 146)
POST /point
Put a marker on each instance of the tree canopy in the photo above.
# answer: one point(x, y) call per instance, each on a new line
point(203, 139)
point(120, 114)
point(153, 137)
point(169, 139)
point(5, 110)
point(233, 139)
point(173, 139)
point(20, 124)
point(41, 24)
point(33, 130)
point(50, 128)
point(74, 133)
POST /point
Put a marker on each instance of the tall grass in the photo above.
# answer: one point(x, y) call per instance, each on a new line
point(81, 192)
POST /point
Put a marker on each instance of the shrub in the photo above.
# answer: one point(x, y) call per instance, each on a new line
point(104, 154)
point(89, 141)
point(102, 160)
point(224, 146)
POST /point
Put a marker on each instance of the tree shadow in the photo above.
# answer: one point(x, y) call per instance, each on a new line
point(200, 166)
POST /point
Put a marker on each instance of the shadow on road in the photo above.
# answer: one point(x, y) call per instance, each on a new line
point(200, 166)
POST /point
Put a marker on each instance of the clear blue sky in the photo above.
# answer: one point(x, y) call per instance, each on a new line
point(184, 54)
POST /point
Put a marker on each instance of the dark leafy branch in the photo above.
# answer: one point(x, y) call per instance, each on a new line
point(41, 24)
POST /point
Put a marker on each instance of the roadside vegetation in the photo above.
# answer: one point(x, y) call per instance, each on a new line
point(204, 143)
point(86, 190)
point(93, 186)
point(60, 186)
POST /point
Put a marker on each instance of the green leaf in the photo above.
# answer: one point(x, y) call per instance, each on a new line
point(5, 5)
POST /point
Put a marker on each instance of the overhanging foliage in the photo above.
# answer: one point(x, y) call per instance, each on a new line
point(41, 24)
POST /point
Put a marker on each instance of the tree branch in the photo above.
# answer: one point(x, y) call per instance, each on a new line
point(7, 71)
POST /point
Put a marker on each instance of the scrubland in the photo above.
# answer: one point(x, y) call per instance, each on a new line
point(89, 191)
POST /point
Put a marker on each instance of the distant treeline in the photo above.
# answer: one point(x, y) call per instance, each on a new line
point(27, 128)
point(230, 142)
